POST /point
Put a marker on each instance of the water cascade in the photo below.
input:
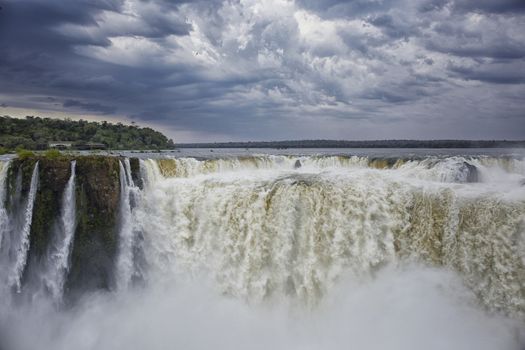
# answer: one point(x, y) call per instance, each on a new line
point(128, 231)
point(263, 227)
point(4, 219)
point(59, 252)
point(443, 169)
point(15, 277)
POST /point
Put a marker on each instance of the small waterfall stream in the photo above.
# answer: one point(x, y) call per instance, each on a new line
point(4, 219)
point(15, 278)
point(129, 194)
point(58, 258)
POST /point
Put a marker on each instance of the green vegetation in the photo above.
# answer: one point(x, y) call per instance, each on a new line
point(35, 133)
point(52, 154)
point(24, 154)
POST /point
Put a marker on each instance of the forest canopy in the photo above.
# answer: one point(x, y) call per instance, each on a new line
point(36, 133)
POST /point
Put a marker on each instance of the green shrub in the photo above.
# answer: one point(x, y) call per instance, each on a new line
point(52, 154)
point(24, 154)
point(4, 150)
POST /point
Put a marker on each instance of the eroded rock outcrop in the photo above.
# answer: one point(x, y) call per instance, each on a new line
point(95, 243)
point(97, 208)
point(471, 172)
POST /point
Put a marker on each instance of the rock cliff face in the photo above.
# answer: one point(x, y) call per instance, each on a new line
point(94, 248)
point(54, 175)
point(135, 171)
point(97, 204)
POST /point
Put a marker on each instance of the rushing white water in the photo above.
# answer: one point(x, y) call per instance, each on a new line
point(129, 195)
point(4, 219)
point(58, 256)
point(447, 169)
point(15, 277)
point(265, 228)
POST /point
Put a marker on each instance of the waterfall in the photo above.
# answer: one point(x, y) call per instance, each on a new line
point(4, 219)
point(129, 195)
point(457, 169)
point(262, 227)
point(15, 278)
point(277, 230)
point(150, 171)
point(261, 237)
point(58, 258)
point(13, 222)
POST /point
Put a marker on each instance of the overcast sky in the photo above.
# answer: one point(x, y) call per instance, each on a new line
point(271, 69)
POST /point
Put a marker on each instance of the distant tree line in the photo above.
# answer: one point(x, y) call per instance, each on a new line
point(362, 144)
point(35, 133)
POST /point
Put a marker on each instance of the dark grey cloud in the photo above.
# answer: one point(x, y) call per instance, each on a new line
point(501, 49)
point(491, 6)
point(494, 74)
point(205, 70)
point(347, 8)
point(432, 5)
point(392, 28)
point(480, 6)
point(91, 107)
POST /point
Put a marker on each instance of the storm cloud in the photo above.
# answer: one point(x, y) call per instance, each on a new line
point(273, 69)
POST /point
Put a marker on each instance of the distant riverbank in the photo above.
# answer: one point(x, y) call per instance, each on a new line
point(362, 144)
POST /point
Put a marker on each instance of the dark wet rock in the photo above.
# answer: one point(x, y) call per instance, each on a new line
point(53, 177)
point(134, 164)
point(472, 174)
point(24, 169)
point(97, 204)
point(95, 244)
point(297, 164)
point(382, 163)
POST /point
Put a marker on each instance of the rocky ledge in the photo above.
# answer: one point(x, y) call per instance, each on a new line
point(97, 204)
